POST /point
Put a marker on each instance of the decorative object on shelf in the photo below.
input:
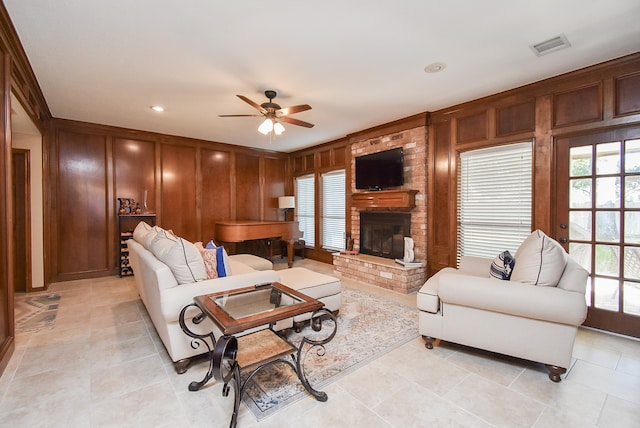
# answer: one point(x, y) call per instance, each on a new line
point(129, 215)
point(286, 203)
point(408, 250)
point(145, 208)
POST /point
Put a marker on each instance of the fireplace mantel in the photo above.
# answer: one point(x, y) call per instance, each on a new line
point(385, 199)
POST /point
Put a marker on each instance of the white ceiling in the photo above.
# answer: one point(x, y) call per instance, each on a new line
point(357, 63)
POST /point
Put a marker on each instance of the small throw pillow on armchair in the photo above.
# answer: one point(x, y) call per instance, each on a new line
point(502, 266)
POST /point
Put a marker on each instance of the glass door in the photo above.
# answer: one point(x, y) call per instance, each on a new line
point(598, 222)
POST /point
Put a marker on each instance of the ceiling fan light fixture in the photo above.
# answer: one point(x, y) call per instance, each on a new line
point(278, 128)
point(266, 126)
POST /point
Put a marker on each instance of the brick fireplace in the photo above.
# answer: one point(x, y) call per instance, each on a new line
point(383, 271)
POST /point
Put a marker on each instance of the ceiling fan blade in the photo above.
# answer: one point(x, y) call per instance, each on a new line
point(252, 104)
point(294, 109)
point(295, 121)
point(239, 115)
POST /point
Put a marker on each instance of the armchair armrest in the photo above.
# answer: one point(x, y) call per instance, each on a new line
point(475, 266)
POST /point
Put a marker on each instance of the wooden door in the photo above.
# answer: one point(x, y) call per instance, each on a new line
point(598, 221)
point(21, 221)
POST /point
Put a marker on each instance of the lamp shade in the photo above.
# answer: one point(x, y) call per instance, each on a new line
point(266, 127)
point(285, 202)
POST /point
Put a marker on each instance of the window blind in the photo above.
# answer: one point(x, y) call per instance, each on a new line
point(333, 209)
point(494, 199)
point(305, 207)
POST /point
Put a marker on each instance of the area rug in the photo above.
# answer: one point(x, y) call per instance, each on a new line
point(368, 327)
point(35, 311)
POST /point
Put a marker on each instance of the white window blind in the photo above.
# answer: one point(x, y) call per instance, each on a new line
point(494, 199)
point(333, 209)
point(305, 207)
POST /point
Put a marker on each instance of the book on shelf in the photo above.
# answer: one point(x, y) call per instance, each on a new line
point(409, 264)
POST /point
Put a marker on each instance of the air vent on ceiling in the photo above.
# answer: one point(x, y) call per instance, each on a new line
point(551, 45)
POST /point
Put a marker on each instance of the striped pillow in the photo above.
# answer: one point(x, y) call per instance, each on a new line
point(502, 266)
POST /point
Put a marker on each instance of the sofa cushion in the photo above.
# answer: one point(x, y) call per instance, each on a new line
point(502, 266)
point(209, 257)
point(540, 260)
point(222, 259)
point(142, 229)
point(182, 257)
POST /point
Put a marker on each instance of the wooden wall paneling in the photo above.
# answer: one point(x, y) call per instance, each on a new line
point(247, 191)
point(274, 179)
point(82, 241)
point(325, 158)
point(309, 162)
point(215, 167)
point(473, 127)
point(515, 118)
point(135, 171)
point(627, 94)
point(179, 208)
point(580, 105)
point(340, 156)
point(439, 206)
point(543, 179)
point(7, 328)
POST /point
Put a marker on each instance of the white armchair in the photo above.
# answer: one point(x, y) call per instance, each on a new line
point(520, 317)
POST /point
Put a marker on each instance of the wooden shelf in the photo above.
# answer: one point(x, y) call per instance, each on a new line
point(385, 199)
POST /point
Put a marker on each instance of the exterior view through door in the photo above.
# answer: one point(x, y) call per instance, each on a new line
point(598, 221)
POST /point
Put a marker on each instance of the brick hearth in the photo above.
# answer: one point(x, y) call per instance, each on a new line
point(379, 271)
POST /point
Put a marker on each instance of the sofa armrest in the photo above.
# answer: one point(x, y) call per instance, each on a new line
point(475, 266)
point(514, 298)
point(172, 300)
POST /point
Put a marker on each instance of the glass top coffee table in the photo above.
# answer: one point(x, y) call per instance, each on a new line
point(246, 317)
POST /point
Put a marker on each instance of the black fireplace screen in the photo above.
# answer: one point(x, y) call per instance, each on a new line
point(382, 233)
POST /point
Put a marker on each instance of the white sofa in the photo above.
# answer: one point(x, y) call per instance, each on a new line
point(534, 315)
point(166, 287)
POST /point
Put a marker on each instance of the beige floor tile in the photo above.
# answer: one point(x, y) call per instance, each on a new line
point(553, 417)
point(117, 380)
point(621, 385)
point(424, 409)
point(495, 403)
point(619, 413)
point(497, 368)
point(152, 406)
point(567, 397)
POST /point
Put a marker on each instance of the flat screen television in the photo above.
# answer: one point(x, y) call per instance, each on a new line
point(381, 170)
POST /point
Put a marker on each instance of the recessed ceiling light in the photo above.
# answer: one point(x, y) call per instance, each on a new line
point(435, 67)
point(157, 108)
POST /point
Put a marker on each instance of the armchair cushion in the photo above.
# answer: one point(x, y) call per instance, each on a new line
point(540, 260)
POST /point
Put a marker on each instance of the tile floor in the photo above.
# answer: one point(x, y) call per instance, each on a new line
point(102, 365)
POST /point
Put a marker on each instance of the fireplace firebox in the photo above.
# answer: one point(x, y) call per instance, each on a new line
point(382, 233)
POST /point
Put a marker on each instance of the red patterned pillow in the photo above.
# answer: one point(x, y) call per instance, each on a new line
point(210, 260)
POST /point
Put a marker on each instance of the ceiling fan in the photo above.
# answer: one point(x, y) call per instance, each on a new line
point(273, 114)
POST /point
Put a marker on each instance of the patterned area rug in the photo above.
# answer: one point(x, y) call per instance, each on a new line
point(368, 327)
point(35, 311)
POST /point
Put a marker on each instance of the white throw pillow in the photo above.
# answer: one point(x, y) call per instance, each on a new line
point(540, 260)
point(182, 257)
point(141, 230)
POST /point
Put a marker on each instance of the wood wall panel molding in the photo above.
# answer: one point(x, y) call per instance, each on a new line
point(247, 191)
point(215, 167)
point(473, 127)
point(7, 322)
point(515, 119)
point(178, 183)
point(82, 214)
point(627, 94)
point(580, 105)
